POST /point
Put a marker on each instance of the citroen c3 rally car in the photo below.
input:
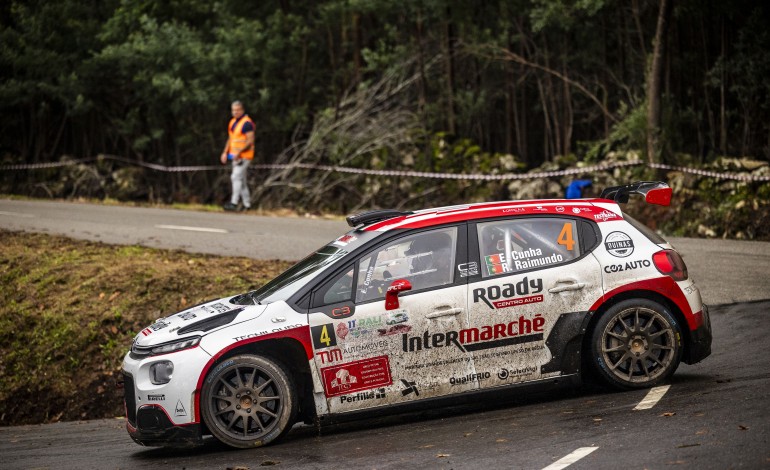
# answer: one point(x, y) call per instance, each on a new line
point(410, 307)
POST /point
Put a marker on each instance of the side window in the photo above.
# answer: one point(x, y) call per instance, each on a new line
point(338, 289)
point(424, 259)
point(510, 246)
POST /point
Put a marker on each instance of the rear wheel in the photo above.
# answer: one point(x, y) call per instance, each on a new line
point(636, 344)
point(248, 401)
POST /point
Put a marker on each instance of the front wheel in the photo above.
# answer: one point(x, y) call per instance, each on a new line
point(248, 401)
point(636, 344)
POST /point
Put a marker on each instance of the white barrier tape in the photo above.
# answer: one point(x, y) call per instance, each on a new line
point(404, 173)
point(712, 174)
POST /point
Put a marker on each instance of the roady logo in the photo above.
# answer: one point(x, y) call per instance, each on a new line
point(521, 330)
point(510, 295)
point(619, 244)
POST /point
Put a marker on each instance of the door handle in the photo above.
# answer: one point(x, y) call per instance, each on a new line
point(445, 313)
point(572, 285)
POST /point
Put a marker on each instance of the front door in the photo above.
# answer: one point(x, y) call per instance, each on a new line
point(370, 356)
point(537, 281)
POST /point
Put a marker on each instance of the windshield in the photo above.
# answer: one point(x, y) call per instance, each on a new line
point(304, 269)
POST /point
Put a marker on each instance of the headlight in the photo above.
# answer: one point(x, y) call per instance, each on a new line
point(166, 347)
point(176, 346)
point(161, 372)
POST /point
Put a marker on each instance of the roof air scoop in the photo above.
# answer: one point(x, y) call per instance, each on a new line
point(370, 217)
point(654, 192)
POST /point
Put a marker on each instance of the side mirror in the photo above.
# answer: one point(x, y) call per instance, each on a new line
point(391, 296)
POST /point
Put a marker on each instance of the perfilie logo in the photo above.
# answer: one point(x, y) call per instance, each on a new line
point(619, 244)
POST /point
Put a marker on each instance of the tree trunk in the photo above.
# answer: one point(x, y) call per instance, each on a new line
point(449, 70)
point(654, 79)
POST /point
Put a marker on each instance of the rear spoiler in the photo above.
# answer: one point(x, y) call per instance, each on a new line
point(654, 192)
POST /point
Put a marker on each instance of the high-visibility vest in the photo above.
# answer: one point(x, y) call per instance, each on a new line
point(238, 138)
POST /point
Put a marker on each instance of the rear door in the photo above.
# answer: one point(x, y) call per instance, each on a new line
point(536, 281)
point(370, 356)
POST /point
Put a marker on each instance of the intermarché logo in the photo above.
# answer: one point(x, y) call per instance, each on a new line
point(518, 331)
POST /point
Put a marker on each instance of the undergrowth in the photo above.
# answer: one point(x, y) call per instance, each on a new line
point(69, 310)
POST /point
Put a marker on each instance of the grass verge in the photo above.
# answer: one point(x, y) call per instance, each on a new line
point(69, 310)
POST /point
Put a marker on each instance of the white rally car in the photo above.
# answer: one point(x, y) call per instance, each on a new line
point(411, 307)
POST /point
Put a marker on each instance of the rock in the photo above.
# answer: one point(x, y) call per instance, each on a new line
point(705, 231)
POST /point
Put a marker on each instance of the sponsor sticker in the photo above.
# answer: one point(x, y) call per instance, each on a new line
point(409, 388)
point(470, 378)
point(351, 377)
point(616, 268)
point(468, 269)
point(342, 330)
point(266, 332)
point(519, 331)
point(365, 348)
point(330, 356)
point(156, 397)
point(361, 396)
point(344, 240)
point(510, 294)
point(187, 316)
point(619, 244)
point(216, 308)
point(179, 409)
point(606, 215)
point(505, 374)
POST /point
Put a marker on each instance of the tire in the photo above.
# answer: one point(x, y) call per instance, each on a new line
point(249, 401)
point(635, 344)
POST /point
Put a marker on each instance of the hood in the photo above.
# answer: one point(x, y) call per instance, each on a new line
point(195, 321)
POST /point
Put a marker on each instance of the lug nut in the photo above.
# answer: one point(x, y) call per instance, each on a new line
point(237, 407)
point(237, 395)
point(248, 411)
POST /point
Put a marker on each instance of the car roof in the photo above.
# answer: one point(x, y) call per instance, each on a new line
point(599, 210)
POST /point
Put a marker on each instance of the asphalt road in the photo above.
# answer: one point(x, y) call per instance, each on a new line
point(715, 415)
point(727, 271)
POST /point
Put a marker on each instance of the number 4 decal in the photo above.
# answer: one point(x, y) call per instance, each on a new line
point(565, 237)
point(323, 336)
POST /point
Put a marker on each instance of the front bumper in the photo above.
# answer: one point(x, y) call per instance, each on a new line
point(154, 428)
point(699, 344)
point(163, 414)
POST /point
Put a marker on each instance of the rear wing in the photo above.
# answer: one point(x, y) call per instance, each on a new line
point(654, 192)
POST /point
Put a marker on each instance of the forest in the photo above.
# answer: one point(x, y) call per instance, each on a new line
point(431, 85)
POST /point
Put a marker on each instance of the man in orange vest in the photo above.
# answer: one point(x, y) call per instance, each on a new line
point(239, 149)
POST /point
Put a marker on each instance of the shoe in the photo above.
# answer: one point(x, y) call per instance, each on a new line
point(229, 206)
point(244, 209)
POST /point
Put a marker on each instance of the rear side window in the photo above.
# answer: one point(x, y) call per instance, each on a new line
point(646, 231)
point(511, 246)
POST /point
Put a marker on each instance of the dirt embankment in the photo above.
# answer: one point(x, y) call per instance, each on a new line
point(69, 310)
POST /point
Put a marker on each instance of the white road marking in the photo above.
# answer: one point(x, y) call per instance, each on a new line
point(568, 460)
point(17, 214)
point(653, 397)
point(193, 229)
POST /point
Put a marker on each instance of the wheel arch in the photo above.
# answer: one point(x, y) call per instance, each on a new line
point(637, 294)
point(292, 351)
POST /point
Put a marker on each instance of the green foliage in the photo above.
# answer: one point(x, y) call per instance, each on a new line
point(539, 79)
